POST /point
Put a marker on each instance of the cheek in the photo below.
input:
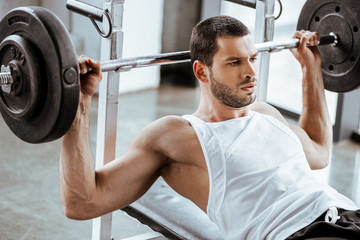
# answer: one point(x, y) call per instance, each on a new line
point(229, 74)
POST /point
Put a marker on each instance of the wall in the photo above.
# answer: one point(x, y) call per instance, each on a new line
point(59, 8)
point(179, 19)
point(6, 6)
point(142, 36)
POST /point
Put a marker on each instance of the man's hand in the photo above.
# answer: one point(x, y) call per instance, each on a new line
point(90, 76)
point(307, 56)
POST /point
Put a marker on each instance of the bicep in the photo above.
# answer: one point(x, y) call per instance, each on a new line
point(124, 180)
point(315, 153)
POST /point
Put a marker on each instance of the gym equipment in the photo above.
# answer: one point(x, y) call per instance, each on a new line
point(40, 80)
point(340, 64)
point(93, 13)
point(40, 91)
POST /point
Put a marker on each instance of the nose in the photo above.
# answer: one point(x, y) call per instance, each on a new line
point(250, 69)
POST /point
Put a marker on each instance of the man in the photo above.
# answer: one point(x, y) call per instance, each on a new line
point(236, 159)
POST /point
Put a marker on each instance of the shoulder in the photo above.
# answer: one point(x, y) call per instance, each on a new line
point(267, 109)
point(163, 132)
point(169, 138)
point(168, 125)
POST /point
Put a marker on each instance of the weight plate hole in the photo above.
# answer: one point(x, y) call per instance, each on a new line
point(355, 29)
point(337, 9)
point(352, 59)
point(317, 18)
point(331, 67)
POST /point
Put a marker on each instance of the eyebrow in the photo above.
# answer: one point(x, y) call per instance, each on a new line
point(239, 58)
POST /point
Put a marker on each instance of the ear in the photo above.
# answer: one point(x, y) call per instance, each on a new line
point(201, 71)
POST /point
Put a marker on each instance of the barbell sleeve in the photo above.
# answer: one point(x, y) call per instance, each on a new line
point(5, 78)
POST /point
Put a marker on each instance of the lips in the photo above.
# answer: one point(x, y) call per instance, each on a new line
point(250, 87)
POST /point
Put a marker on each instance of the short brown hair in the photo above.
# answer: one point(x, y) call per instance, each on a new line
point(203, 44)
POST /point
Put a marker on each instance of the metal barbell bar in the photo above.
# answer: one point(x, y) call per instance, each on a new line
point(126, 64)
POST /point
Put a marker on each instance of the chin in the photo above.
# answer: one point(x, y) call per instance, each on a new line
point(252, 99)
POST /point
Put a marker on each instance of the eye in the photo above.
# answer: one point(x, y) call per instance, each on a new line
point(235, 63)
point(253, 59)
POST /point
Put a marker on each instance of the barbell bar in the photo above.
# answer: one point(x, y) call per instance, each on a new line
point(184, 56)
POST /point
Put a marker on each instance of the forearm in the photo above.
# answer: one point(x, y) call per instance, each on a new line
point(315, 118)
point(77, 171)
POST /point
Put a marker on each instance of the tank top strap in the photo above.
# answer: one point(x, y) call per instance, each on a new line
point(215, 161)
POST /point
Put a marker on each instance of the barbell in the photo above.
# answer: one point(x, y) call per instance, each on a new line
point(39, 75)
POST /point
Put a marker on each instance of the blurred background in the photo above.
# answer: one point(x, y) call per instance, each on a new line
point(30, 203)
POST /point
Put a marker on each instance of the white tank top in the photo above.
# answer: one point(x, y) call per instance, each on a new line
point(261, 185)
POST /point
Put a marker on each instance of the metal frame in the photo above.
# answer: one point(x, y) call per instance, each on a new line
point(264, 32)
point(111, 48)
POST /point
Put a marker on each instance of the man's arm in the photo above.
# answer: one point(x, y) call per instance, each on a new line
point(314, 129)
point(87, 193)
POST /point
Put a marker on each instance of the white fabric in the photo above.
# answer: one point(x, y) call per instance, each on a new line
point(179, 214)
point(261, 185)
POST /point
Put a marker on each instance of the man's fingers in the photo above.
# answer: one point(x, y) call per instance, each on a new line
point(82, 64)
point(313, 38)
point(307, 37)
point(94, 66)
point(87, 65)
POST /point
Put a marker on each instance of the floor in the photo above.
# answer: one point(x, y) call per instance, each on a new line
point(30, 204)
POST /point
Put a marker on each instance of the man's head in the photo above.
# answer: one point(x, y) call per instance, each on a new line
point(223, 55)
point(203, 43)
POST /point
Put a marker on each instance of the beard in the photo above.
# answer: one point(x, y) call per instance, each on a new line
point(227, 95)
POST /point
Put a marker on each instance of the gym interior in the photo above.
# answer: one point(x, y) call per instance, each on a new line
point(29, 188)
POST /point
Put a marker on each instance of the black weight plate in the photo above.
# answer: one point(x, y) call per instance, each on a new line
point(58, 68)
point(340, 64)
point(23, 100)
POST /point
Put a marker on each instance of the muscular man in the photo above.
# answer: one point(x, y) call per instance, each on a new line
point(236, 159)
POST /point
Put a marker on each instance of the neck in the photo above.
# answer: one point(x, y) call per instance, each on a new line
point(212, 110)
